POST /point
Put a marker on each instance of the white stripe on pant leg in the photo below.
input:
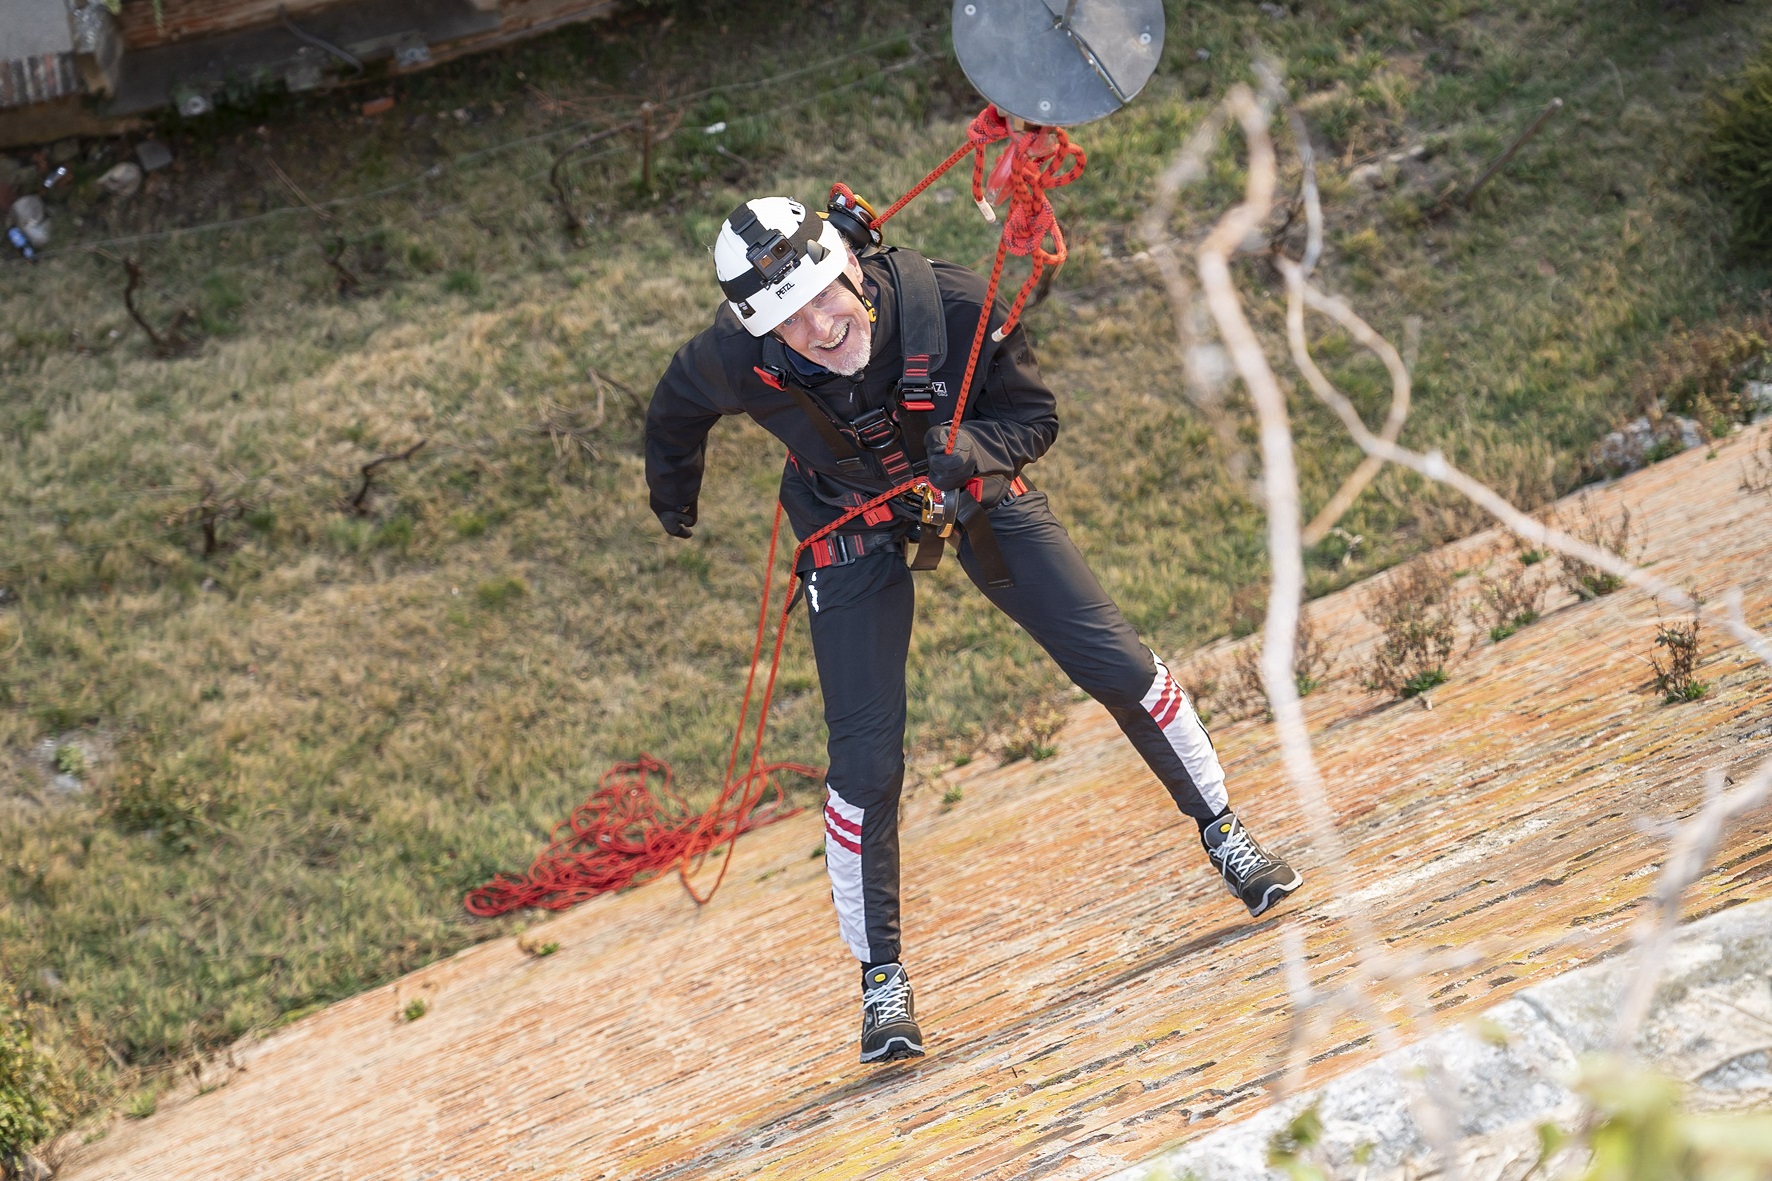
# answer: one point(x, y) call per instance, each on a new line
point(1171, 710)
point(842, 860)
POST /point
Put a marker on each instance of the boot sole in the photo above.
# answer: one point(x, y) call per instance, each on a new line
point(1275, 894)
point(895, 1049)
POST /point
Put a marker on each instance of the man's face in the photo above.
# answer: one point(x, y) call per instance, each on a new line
point(834, 329)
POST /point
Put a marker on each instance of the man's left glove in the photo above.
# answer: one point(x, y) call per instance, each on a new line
point(676, 521)
point(949, 471)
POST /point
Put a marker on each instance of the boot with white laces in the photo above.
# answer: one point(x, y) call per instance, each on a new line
point(888, 1016)
point(1255, 876)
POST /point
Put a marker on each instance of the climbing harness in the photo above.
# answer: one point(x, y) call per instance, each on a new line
point(624, 832)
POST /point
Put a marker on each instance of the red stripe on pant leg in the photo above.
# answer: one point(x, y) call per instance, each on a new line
point(833, 834)
point(849, 826)
point(1168, 706)
point(1162, 701)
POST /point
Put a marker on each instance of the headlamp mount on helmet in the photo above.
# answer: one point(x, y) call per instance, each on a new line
point(771, 253)
point(774, 255)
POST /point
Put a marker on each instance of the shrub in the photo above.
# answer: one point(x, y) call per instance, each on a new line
point(29, 1089)
point(178, 799)
point(70, 760)
point(1703, 373)
point(1311, 666)
point(1675, 680)
point(1032, 737)
point(1638, 1127)
point(1740, 144)
point(1416, 611)
point(1582, 579)
point(1511, 599)
point(1294, 1149)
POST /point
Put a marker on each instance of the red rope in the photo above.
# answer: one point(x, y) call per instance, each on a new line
point(1034, 160)
point(634, 825)
point(628, 829)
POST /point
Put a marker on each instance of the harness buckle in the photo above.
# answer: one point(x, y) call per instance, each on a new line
point(940, 509)
point(916, 396)
point(876, 430)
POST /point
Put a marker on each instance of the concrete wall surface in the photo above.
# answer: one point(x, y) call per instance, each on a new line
point(31, 28)
point(1502, 1076)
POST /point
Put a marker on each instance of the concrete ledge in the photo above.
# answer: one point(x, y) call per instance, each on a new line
point(1710, 1026)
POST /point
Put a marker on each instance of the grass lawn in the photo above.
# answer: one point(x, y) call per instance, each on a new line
point(294, 753)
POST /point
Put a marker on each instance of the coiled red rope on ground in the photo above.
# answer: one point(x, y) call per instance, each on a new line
point(633, 825)
point(629, 829)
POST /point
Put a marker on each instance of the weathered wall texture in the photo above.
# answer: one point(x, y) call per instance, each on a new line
point(1090, 994)
point(1707, 1027)
point(183, 19)
point(197, 18)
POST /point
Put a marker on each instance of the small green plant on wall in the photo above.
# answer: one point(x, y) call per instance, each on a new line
point(1676, 679)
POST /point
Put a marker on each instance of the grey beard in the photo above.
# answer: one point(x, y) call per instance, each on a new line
point(865, 346)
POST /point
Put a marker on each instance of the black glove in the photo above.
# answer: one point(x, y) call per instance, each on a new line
point(677, 521)
point(946, 471)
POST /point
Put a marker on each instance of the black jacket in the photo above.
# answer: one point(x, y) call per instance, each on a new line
point(1012, 418)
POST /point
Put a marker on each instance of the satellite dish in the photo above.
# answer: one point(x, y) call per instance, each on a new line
point(1058, 62)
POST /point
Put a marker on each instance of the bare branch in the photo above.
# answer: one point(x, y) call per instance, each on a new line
point(359, 503)
point(1375, 966)
point(574, 223)
point(1686, 863)
point(1434, 466)
point(1393, 424)
point(348, 283)
point(1280, 487)
point(1204, 389)
point(173, 341)
point(1286, 558)
point(1313, 201)
point(300, 195)
point(1532, 129)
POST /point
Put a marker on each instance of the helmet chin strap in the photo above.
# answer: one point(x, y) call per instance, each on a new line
point(866, 303)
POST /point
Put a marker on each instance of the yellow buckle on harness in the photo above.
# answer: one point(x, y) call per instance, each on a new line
point(940, 509)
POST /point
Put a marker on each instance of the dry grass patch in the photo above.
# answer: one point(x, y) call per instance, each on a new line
point(1510, 592)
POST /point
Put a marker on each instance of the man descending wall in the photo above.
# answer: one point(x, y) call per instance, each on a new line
point(845, 360)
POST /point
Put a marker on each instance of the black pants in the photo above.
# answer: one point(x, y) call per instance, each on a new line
point(861, 631)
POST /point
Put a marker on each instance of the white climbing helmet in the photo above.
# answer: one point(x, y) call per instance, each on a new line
point(772, 259)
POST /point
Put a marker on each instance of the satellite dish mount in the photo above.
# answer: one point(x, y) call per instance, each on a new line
point(1057, 63)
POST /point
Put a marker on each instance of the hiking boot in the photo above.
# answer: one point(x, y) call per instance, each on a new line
point(1252, 873)
point(888, 1016)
